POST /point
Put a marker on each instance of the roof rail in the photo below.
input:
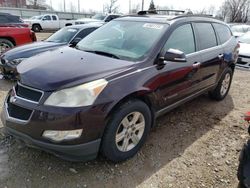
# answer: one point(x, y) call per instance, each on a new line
point(165, 12)
point(195, 15)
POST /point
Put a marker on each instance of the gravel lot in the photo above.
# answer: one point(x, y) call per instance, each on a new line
point(195, 145)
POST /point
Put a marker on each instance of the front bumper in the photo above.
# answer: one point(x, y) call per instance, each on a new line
point(43, 118)
point(243, 62)
point(80, 152)
point(7, 70)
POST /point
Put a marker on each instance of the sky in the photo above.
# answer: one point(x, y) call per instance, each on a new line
point(97, 5)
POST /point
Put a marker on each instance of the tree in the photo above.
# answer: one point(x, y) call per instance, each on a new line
point(37, 4)
point(152, 7)
point(235, 10)
point(112, 7)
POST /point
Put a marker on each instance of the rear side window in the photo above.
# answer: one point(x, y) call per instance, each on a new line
point(4, 19)
point(206, 34)
point(223, 32)
point(182, 39)
point(83, 33)
point(54, 17)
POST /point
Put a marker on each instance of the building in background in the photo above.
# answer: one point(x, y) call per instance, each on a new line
point(13, 3)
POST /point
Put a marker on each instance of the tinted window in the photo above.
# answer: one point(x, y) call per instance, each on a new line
point(54, 18)
point(182, 39)
point(223, 32)
point(46, 18)
point(4, 19)
point(206, 35)
point(83, 33)
point(64, 35)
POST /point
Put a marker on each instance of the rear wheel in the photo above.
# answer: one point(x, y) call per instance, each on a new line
point(36, 28)
point(222, 89)
point(5, 45)
point(126, 131)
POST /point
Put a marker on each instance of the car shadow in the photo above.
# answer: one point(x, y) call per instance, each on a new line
point(174, 133)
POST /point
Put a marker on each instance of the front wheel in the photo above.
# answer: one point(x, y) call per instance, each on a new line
point(126, 131)
point(222, 89)
point(5, 45)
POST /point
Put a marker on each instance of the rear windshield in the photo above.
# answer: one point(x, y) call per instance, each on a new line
point(64, 35)
point(128, 40)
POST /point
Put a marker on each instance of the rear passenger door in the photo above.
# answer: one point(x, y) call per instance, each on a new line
point(212, 54)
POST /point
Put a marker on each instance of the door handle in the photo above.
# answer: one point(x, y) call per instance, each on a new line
point(221, 56)
point(196, 65)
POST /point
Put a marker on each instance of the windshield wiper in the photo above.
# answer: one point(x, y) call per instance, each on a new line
point(103, 53)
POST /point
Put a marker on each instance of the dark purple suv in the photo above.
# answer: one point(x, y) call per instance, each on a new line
point(104, 95)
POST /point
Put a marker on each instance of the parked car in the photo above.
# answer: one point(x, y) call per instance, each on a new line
point(104, 95)
point(47, 22)
point(9, 20)
point(239, 30)
point(244, 53)
point(244, 165)
point(98, 18)
point(14, 36)
point(68, 36)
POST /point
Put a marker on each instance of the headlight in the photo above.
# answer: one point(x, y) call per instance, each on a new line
point(82, 95)
point(59, 136)
point(17, 61)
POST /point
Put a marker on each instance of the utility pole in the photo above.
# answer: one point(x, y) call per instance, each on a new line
point(129, 6)
point(64, 6)
point(79, 7)
point(142, 5)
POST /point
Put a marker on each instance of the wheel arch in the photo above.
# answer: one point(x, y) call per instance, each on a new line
point(138, 95)
point(37, 24)
point(9, 38)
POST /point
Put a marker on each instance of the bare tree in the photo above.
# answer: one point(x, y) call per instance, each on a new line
point(208, 11)
point(37, 4)
point(112, 6)
point(135, 8)
point(235, 10)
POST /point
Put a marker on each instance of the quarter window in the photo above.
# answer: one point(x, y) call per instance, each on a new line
point(207, 37)
point(182, 39)
point(223, 32)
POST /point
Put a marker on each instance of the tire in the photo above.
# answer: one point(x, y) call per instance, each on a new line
point(117, 149)
point(36, 28)
point(223, 87)
point(5, 45)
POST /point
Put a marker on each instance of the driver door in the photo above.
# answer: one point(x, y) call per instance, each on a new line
point(178, 79)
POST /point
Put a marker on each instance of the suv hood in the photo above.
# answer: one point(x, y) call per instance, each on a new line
point(29, 50)
point(67, 67)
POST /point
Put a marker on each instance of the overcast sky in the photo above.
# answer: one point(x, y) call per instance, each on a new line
point(97, 5)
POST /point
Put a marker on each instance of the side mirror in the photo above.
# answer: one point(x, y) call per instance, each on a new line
point(174, 55)
point(74, 42)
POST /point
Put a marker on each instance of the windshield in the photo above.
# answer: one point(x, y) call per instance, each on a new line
point(64, 35)
point(98, 17)
point(245, 38)
point(36, 17)
point(123, 39)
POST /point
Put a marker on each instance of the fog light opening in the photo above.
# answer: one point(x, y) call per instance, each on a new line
point(58, 136)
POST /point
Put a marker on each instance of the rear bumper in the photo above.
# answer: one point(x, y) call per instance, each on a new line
point(81, 152)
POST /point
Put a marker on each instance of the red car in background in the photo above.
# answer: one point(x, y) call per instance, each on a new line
point(15, 36)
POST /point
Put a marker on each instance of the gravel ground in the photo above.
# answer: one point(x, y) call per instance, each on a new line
point(195, 145)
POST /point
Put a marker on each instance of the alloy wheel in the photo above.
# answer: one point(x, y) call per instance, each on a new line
point(130, 131)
